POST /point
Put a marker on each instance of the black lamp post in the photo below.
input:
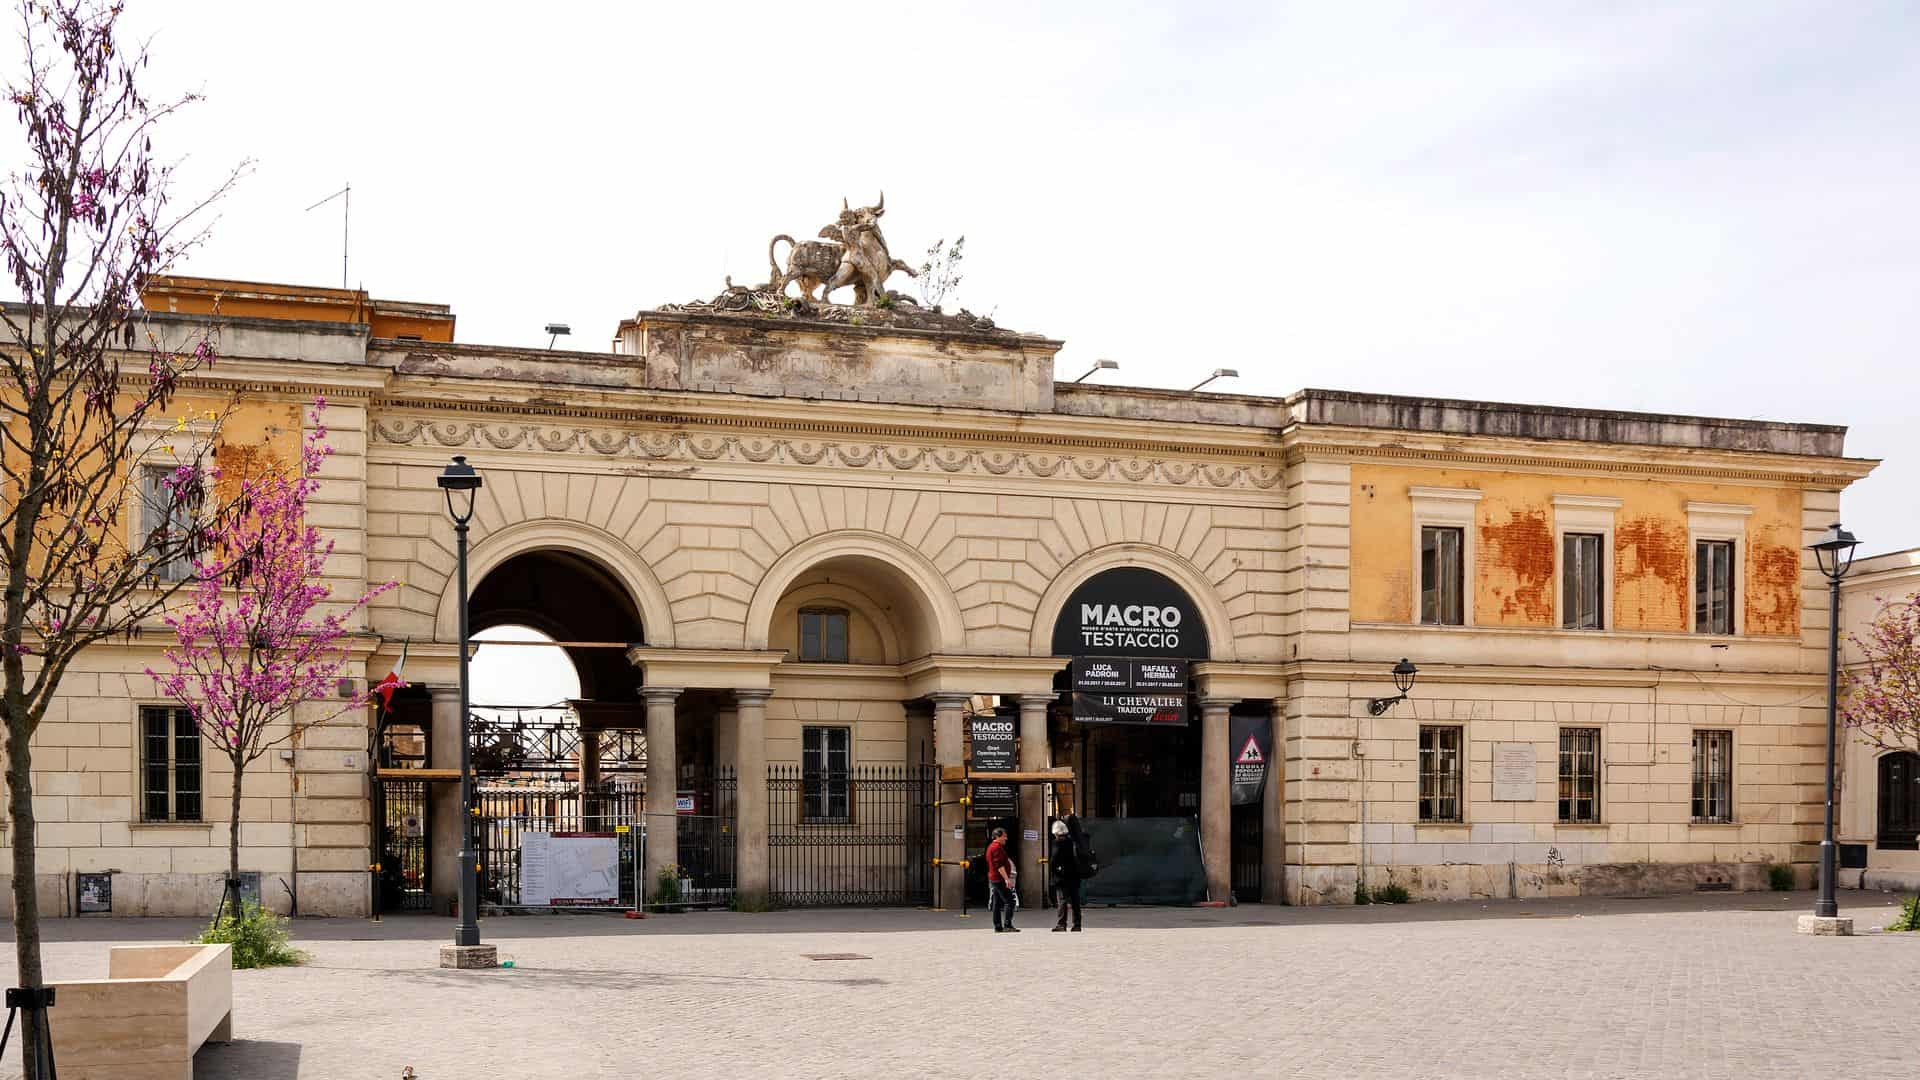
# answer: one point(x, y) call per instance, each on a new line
point(1834, 553)
point(460, 481)
point(1403, 673)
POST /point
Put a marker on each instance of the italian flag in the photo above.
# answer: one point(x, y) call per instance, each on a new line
point(385, 687)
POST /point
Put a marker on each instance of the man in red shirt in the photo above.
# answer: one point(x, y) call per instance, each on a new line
point(1000, 884)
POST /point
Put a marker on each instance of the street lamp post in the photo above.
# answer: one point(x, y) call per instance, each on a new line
point(1834, 554)
point(461, 481)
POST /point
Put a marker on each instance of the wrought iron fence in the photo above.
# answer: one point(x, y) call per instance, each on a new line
point(862, 836)
point(509, 810)
point(705, 841)
point(402, 882)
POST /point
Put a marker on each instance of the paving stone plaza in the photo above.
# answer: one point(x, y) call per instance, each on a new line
point(1710, 987)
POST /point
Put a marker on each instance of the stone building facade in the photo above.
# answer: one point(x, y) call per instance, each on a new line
point(1879, 824)
point(1619, 637)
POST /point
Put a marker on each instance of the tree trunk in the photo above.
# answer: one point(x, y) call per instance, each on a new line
point(233, 844)
point(26, 897)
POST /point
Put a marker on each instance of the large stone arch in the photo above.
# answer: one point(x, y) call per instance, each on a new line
point(1188, 576)
point(924, 584)
point(552, 534)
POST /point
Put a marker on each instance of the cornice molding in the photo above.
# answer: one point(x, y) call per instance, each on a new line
point(1588, 458)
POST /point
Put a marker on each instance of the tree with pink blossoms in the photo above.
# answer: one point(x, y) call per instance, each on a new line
point(1881, 696)
point(87, 219)
point(262, 636)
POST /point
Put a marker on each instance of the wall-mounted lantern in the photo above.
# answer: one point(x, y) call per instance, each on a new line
point(1403, 673)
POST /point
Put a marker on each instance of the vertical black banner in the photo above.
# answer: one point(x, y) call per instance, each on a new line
point(1250, 738)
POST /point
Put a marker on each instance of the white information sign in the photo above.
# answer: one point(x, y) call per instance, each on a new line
point(562, 869)
point(1515, 772)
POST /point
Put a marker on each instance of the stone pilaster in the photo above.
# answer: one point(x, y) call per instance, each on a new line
point(443, 752)
point(949, 715)
point(663, 782)
point(750, 807)
point(1216, 798)
point(1034, 755)
point(1321, 806)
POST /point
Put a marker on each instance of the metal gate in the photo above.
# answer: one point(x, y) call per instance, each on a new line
point(863, 836)
point(508, 810)
point(705, 842)
point(400, 812)
point(1249, 843)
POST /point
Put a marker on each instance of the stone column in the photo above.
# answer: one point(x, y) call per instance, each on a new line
point(443, 841)
point(1216, 798)
point(590, 809)
point(949, 717)
point(750, 824)
point(1035, 754)
point(1273, 804)
point(663, 783)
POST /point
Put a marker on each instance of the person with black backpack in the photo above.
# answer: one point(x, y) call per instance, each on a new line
point(1072, 862)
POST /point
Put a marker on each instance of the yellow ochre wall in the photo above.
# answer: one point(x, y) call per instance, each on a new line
point(1516, 556)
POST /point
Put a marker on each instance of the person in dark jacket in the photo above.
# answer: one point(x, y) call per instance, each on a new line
point(1064, 863)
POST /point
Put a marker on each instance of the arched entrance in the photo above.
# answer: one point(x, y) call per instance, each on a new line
point(551, 758)
point(1128, 721)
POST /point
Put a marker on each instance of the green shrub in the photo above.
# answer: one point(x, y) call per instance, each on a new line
point(1360, 894)
point(1780, 877)
point(1909, 916)
point(666, 889)
point(1391, 893)
point(258, 937)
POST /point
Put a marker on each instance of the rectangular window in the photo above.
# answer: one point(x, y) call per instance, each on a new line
point(169, 764)
point(1580, 775)
point(1582, 577)
point(1713, 587)
point(163, 521)
point(1712, 777)
point(1440, 773)
point(826, 766)
point(1442, 577)
point(823, 636)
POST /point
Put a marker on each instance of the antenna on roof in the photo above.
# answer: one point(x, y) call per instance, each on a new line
point(346, 218)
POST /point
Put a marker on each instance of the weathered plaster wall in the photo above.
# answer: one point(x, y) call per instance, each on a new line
point(1516, 556)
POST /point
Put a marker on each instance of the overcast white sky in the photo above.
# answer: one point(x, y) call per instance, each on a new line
point(1701, 208)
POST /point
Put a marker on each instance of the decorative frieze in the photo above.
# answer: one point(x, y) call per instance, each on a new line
point(763, 450)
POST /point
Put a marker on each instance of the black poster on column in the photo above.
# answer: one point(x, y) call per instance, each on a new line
point(991, 740)
point(1251, 740)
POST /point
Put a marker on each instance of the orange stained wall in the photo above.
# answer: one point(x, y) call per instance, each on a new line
point(1516, 557)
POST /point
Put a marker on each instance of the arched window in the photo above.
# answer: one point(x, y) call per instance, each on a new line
point(1900, 801)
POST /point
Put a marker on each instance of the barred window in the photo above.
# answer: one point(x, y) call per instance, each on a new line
point(1713, 587)
point(1712, 777)
point(1442, 575)
point(823, 635)
point(1579, 775)
point(1440, 773)
point(826, 789)
point(1582, 579)
point(163, 522)
point(169, 764)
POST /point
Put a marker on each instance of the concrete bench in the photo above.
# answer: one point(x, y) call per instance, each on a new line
point(144, 1021)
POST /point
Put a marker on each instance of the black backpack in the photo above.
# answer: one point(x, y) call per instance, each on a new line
point(1089, 862)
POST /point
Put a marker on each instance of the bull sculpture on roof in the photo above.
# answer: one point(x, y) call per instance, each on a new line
point(850, 252)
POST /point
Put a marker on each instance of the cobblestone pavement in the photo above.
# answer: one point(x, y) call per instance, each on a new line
point(1715, 986)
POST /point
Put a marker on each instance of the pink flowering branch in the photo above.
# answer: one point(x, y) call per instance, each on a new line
point(252, 646)
point(1880, 698)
